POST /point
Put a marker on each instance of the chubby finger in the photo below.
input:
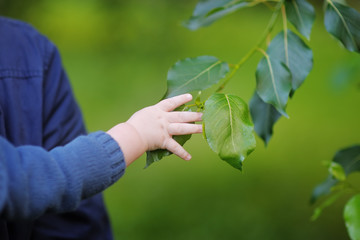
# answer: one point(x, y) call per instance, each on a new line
point(183, 117)
point(184, 128)
point(174, 147)
point(174, 102)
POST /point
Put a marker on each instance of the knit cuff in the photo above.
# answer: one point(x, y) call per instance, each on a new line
point(114, 152)
point(104, 167)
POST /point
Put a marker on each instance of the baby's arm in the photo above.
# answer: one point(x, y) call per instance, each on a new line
point(34, 181)
point(153, 127)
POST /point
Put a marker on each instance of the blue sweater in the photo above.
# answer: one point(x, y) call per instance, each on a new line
point(37, 108)
point(34, 181)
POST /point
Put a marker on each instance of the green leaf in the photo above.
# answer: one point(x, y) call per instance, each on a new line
point(195, 74)
point(273, 82)
point(157, 155)
point(337, 171)
point(323, 188)
point(208, 11)
point(228, 128)
point(301, 14)
point(205, 6)
point(352, 217)
point(343, 23)
point(288, 48)
point(264, 117)
point(349, 160)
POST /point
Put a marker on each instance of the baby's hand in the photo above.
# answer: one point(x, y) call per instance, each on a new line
point(153, 127)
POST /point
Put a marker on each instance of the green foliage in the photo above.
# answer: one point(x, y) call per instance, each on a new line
point(323, 188)
point(301, 14)
point(208, 11)
point(285, 65)
point(195, 74)
point(264, 116)
point(337, 171)
point(297, 56)
point(282, 70)
point(352, 217)
point(345, 162)
point(228, 128)
point(273, 82)
point(343, 23)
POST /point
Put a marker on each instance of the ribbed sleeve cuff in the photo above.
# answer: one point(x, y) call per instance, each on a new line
point(106, 166)
point(115, 155)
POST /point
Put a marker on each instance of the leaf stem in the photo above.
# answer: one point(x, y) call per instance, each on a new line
point(267, 31)
point(262, 52)
point(191, 105)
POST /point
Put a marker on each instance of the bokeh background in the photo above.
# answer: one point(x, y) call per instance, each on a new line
point(117, 54)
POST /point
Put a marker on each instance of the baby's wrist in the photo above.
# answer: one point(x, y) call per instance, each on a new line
point(141, 142)
point(129, 140)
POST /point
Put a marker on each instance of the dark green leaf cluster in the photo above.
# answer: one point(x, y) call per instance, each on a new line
point(284, 67)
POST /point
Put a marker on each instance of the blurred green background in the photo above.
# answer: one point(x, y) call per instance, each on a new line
point(117, 54)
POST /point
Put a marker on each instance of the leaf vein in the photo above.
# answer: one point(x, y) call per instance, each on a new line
point(343, 21)
point(201, 73)
point(231, 122)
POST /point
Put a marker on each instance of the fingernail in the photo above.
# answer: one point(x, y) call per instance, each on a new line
point(188, 157)
point(188, 96)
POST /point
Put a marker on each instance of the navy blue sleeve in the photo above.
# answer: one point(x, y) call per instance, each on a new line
point(34, 181)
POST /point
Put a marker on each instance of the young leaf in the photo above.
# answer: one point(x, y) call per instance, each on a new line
point(228, 128)
point(288, 48)
point(273, 82)
point(264, 117)
point(349, 159)
point(195, 74)
point(352, 217)
point(337, 171)
point(343, 23)
point(208, 11)
point(301, 14)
